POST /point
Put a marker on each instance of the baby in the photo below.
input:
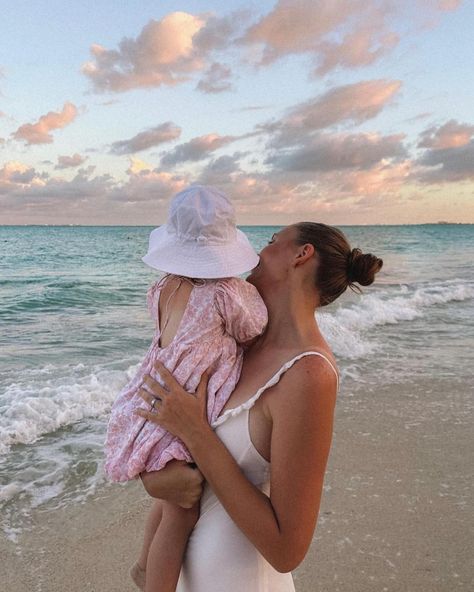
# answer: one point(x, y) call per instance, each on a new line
point(203, 315)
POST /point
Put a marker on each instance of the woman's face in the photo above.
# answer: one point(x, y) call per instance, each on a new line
point(275, 258)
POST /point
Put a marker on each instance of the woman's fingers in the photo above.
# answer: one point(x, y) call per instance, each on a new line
point(155, 387)
point(165, 375)
point(146, 414)
point(146, 396)
point(202, 386)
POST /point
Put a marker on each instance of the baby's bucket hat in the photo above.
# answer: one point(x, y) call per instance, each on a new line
point(200, 238)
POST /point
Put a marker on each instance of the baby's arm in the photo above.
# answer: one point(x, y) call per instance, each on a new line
point(242, 310)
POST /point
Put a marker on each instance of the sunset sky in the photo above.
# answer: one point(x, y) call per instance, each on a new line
point(342, 111)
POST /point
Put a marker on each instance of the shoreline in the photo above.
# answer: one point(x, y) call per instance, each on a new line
point(394, 515)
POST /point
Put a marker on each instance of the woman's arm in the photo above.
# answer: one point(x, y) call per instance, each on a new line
point(302, 407)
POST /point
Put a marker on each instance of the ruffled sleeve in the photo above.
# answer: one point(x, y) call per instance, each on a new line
point(152, 300)
point(241, 308)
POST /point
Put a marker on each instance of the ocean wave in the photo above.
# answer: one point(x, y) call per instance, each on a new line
point(32, 408)
point(47, 399)
point(346, 328)
point(62, 295)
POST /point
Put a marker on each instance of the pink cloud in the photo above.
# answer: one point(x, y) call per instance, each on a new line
point(65, 162)
point(40, 132)
point(446, 165)
point(196, 149)
point(327, 152)
point(383, 179)
point(296, 26)
point(358, 48)
point(450, 135)
point(145, 185)
point(449, 5)
point(15, 174)
point(354, 103)
point(216, 79)
point(163, 53)
point(340, 33)
point(160, 134)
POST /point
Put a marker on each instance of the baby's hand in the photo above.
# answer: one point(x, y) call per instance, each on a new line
point(177, 483)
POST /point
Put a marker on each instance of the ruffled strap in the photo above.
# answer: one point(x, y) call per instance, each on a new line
point(273, 380)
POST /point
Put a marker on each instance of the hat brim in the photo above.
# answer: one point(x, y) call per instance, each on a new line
point(200, 260)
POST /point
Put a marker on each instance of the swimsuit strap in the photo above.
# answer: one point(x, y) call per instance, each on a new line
point(271, 382)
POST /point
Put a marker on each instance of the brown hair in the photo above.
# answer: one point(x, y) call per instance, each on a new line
point(339, 266)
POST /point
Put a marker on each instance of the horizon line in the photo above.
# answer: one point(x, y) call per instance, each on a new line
point(441, 223)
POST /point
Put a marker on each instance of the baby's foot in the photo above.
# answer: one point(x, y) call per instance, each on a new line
point(138, 576)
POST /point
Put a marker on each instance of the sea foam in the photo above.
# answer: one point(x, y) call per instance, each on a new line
point(347, 328)
point(46, 402)
point(32, 407)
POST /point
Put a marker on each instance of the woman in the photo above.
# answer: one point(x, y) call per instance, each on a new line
point(258, 517)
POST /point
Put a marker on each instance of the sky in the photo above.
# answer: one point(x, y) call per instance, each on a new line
point(343, 112)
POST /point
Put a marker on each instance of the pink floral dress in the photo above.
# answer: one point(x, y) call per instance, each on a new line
point(219, 315)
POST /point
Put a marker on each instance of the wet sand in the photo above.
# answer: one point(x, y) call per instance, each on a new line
point(396, 513)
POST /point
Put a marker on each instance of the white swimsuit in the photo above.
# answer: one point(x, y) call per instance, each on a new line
point(219, 557)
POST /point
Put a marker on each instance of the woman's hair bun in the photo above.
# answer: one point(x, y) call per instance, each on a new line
point(362, 267)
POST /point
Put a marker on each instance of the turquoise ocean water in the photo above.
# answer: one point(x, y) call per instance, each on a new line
point(74, 326)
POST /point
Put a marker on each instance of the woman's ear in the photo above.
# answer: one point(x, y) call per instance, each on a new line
point(305, 253)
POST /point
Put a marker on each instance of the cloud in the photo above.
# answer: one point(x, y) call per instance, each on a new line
point(295, 26)
point(357, 48)
point(220, 32)
point(216, 79)
point(165, 132)
point(447, 165)
point(145, 185)
point(354, 103)
point(22, 185)
point(450, 135)
point(15, 173)
point(448, 5)
point(327, 152)
point(167, 52)
point(449, 154)
point(382, 179)
point(39, 132)
point(220, 170)
point(137, 166)
point(337, 34)
point(340, 33)
point(251, 108)
point(65, 162)
point(196, 149)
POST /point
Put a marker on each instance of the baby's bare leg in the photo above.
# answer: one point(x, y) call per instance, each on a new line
point(168, 546)
point(151, 525)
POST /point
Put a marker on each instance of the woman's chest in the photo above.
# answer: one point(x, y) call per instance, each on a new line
point(257, 371)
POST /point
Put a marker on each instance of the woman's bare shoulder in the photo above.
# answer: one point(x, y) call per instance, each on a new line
point(309, 383)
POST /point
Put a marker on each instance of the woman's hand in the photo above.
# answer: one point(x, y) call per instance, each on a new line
point(177, 483)
point(181, 413)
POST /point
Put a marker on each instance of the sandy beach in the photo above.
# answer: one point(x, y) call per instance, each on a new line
point(396, 512)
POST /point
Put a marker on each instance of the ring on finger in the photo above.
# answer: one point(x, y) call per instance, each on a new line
point(154, 402)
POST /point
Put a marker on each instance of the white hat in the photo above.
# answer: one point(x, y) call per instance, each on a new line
point(200, 239)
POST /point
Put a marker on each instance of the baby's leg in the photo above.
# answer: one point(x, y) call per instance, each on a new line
point(138, 569)
point(167, 549)
point(152, 523)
